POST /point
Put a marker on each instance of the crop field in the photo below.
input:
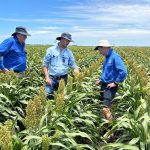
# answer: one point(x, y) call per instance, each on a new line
point(74, 120)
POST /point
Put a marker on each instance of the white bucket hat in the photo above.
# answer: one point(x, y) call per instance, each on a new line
point(103, 43)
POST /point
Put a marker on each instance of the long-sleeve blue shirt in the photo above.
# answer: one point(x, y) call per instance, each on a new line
point(114, 69)
point(58, 62)
point(13, 55)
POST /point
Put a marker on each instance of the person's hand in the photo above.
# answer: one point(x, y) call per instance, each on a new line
point(77, 70)
point(48, 81)
point(5, 70)
point(110, 85)
point(98, 82)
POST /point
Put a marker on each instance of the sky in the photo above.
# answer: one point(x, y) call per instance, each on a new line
point(122, 22)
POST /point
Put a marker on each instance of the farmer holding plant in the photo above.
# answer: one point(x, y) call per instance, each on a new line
point(57, 60)
point(114, 72)
point(13, 53)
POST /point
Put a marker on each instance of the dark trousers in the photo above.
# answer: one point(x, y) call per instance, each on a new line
point(107, 94)
point(54, 85)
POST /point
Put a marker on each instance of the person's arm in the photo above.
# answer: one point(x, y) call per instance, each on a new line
point(4, 48)
point(2, 68)
point(47, 79)
point(46, 63)
point(72, 64)
point(98, 82)
point(77, 70)
point(1, 63)
point(122, 72)
point(121, 69)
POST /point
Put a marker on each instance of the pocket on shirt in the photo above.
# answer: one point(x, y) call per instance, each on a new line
point(53, 61)
point(66, 61)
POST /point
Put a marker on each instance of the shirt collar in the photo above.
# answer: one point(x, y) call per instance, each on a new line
point(109, 52)
point(16, 39)
point(57, 48)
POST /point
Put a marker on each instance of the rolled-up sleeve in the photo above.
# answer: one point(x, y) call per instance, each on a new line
point(72, 63)
point(47, 60)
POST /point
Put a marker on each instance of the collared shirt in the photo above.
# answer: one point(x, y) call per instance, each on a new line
point(58, 62)
point(12, 55)
point(114, 69)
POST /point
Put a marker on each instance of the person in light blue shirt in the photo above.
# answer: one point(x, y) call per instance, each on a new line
point(114, 72)
point(56, 62)
point(13, 53)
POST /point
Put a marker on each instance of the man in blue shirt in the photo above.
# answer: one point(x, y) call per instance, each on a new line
point(114, 72)
point(56, 62)
point(13, 53)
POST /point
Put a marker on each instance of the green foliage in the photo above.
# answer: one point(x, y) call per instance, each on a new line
point(74, 120)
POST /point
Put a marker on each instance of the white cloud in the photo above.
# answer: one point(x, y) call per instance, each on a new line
point(37, 20)
point(91, 21)
point(41, 32)
point(116, 13)
point(51, 28)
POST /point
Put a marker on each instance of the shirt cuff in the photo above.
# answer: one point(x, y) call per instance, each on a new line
point(74, 67)
point(45, 65)
point(117, 83)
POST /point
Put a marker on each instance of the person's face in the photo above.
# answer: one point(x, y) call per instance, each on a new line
point(103, 50)
point(21, 38)
point(64, 42)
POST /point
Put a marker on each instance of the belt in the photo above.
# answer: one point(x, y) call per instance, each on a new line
point(59, 77)
point(16, 71)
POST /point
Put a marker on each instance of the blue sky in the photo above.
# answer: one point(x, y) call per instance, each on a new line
point(123, 22)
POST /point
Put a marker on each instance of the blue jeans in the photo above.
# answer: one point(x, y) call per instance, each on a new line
point(54, 86)
point(107, 94)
